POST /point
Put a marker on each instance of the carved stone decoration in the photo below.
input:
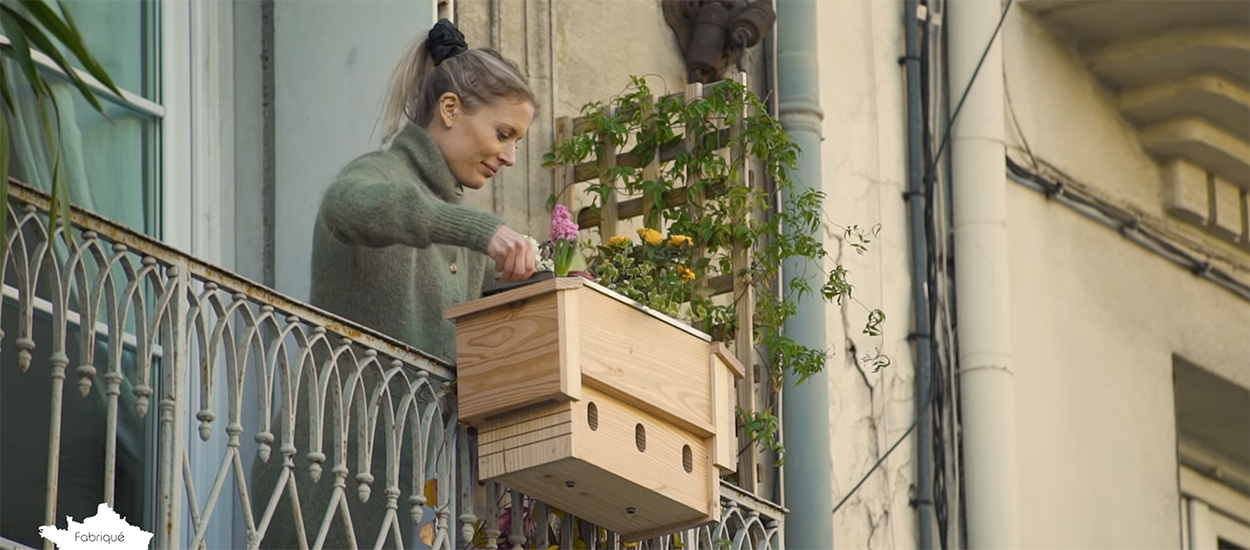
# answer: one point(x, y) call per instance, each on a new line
point(715, 33)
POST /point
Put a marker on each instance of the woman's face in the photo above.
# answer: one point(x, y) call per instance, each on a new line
point(479, 144)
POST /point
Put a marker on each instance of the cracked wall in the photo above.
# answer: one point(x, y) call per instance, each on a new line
point(864, 160)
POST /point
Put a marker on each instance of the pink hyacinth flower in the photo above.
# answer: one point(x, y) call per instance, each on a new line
point(562, 226)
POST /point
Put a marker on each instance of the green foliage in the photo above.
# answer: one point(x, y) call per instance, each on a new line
point(33, 24)
point(655, 275)
point(762, 427)
point(780, 227)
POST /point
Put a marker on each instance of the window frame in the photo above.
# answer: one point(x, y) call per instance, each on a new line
point(1211, 511)
point(188, 171)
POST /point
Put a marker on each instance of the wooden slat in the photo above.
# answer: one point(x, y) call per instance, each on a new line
point(612, 447)
point(725, 448)
point(570, 344)
point(744, 310)
point(650, 172)
point(524, 422)
point(631, 208)
point(647, 311)
point(731, 361)
point(587, 171)
point(608, 210)
point(505, 360)
point(564, 180)
point(541, 452)
point(601, 473)
point(649, 365)
point(696, 198)
point(515, 295)
point(580, 125)
point(523, 439)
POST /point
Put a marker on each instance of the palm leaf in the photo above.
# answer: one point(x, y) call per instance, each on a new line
point(35, 36)
point(4, 87)
point(59, 207)
point(4, 163)
point(38, 25)
point(66, 32)
point(10, 21)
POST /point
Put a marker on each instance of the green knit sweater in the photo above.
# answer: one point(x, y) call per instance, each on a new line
point(392, 247)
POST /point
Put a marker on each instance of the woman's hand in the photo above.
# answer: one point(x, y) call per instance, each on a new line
point(513, 255)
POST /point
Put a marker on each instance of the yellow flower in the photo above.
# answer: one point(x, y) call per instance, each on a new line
point(685, 273)
point(678, 240)
point(651, 236)
point(618, 240)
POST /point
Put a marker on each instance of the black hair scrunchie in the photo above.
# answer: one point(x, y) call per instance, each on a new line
point(445, 41)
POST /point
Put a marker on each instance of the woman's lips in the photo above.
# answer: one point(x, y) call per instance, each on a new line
point(490, 170)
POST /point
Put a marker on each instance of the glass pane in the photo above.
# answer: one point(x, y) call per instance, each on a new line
point(109, 164)
point(25, 405)
point(121, 34)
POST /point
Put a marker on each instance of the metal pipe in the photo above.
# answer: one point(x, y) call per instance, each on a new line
point(982, 278)
point(805, 407)
point(922, 330)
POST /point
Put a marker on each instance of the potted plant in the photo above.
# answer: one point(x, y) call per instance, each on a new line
point(595, 402)
point(573, 382)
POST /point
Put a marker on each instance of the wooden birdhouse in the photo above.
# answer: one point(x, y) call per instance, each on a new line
point(599, 406)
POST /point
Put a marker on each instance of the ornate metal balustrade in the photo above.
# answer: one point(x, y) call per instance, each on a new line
point(212, 410)
point(746, 523)
point(221, 362)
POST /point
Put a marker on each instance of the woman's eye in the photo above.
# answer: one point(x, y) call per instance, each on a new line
point(502, 136)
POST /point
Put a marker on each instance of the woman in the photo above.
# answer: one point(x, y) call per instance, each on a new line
point(393, 247)
point(464, 111)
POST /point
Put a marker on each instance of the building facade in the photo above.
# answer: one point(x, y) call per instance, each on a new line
point(1083, 170)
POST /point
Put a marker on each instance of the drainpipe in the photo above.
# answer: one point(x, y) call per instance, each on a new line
point(805, 407)
point(982, 290)
point(922, 330)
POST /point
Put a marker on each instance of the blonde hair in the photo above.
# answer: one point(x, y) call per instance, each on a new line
point(477, 76)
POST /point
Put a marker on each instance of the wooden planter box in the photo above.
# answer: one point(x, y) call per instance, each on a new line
point(596, 405)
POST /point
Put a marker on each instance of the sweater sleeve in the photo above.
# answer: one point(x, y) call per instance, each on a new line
point(364, 207)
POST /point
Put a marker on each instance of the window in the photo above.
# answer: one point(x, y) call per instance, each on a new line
point(1213, 515)
point(112, 165)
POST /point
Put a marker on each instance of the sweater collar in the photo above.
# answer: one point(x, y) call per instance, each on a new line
point(427, 161)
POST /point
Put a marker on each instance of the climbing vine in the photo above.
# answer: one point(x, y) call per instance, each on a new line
point(707, 213)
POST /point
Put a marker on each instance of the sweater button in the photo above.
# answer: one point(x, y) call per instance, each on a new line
point(453, 267)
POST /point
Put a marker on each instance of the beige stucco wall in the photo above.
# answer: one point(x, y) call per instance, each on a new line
point(1096, 320)
point(863, 162)
point(1062, 110)
point(573, 52)
point(602, 43)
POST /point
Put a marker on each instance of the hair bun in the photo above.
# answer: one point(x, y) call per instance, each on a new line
point(445, 41)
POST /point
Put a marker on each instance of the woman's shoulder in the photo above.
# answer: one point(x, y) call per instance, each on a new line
point(379, 162)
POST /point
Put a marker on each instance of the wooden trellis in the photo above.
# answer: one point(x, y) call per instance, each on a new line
point(616, 209)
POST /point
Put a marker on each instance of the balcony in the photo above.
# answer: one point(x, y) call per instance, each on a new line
point(212, 375)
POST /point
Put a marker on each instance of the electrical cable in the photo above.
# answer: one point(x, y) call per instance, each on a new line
point(935, 257)
point(1128, 225)
point(928, 172)
point(964, 96)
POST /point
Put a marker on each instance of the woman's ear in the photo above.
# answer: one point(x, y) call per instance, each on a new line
point(448, 108)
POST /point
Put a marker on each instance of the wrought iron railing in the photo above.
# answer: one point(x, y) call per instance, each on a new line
point(266, 410)
point(746, 523)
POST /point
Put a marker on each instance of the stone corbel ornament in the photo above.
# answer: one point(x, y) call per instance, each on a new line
point(714, 33)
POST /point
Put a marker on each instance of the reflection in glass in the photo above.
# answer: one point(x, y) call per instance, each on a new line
point(25, 423)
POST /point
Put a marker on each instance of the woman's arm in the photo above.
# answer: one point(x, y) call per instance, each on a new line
point(364, 207)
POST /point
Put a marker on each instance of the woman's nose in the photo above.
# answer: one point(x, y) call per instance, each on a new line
point(508, 155)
